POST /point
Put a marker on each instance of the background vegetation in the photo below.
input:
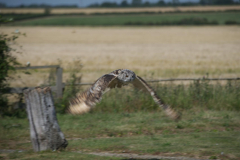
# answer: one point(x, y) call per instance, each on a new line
point(8, 62)
point(121, 20)
point(133, 3)
point(201, 95)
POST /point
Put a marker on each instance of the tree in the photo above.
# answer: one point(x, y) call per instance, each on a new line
point(94, 5)
point(216, 2)
point(222, 2)
point(109, 4)
point(175, 2)
point(161, 3)
point(147, 4)
point(124, 3)
point(8, 62)
point(3, 5)
point(203, 2)
point(136, 2)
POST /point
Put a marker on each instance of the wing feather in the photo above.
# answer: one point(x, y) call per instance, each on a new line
point(142, 85)
point(88, 99)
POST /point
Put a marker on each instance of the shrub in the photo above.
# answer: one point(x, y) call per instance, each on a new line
point(8, 62)
point(231, 22)
point(71, 90)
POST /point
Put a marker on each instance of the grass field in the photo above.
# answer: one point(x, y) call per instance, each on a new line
point(119, 20)
point(201, 134)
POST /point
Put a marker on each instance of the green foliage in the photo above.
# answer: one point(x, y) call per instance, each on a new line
point(143, 18)
point(186, 21)
point(47, 11)
point(73, 69)
point(5, 19)
point(200, 94)
point(231, 22)
point(8, 62)
point(17, 17)
point(216, 2)
point(136, 3)
point(109, 4)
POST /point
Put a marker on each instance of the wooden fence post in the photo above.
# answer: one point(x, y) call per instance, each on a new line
point(59, 82)
point(45, 132)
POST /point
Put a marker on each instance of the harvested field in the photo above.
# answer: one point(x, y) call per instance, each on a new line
point(121, 10)
point(151, 52)
point(21, 10)
point(151, 9)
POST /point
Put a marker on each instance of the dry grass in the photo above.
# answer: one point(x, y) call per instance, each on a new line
point(121, 10)
point(156, 52)
point(21, 10)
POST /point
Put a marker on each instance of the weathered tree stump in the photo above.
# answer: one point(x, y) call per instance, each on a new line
point(44, 129)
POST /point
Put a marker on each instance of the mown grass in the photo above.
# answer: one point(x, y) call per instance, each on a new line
point(111, 20)
point(198, 134)
point(204, 144)
point(30, 155)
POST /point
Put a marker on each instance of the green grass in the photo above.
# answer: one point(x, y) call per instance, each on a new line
point(127, 120)
point(202, 144)
point(118, 20)
point(201, 95)
point(199, 134)
point(30, 155)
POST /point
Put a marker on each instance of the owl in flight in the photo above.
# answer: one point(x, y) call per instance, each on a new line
point(116, 79)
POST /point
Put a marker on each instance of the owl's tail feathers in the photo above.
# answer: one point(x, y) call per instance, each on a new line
point(78, 107)
point(172, 114)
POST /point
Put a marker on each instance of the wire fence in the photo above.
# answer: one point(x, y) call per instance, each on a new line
point(60, 85)
point(175, 79)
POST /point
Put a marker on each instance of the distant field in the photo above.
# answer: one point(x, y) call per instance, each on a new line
point(153, 53)
point(113, 20)
point(120, 10)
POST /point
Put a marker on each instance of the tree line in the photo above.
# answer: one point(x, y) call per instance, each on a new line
point(3, 5)
point(162, 3)
point(133, 3)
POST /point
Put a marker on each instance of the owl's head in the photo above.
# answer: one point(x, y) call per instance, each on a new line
point(126, 76)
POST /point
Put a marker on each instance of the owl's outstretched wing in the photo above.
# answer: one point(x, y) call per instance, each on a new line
point(83, 102)
point(142, 85)
point(88, 99)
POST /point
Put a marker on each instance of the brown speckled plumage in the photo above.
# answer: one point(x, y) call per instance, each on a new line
point(118, 78)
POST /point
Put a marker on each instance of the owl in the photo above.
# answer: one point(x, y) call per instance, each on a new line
point(83, 102)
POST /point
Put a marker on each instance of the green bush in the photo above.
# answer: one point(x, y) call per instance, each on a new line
point(231, 22)
point(8, 62)
point(73, 69)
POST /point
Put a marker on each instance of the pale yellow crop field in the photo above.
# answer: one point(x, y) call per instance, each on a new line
point(152, 52)
point(118, 10)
